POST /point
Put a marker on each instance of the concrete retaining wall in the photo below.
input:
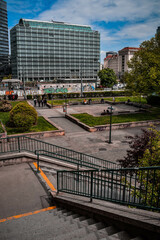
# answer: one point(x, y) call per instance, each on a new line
point(114, 126)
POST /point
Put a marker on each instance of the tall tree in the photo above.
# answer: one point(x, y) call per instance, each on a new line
point(107, 77)
point(144, 77)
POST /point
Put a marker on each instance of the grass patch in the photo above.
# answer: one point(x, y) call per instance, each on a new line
point(42, 124)
point(103, 120)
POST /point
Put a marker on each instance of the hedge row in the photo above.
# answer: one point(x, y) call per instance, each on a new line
point(85, 95)
point(153, 100)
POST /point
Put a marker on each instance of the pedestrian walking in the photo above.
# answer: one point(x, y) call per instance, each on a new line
point(45, 102)
point(35, 102)
point(39, 102)
point(42, 102)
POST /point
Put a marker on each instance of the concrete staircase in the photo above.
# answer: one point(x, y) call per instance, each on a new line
point(58, 224)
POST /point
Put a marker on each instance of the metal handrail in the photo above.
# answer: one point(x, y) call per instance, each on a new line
point(138, 187)
point(77, 162)
point(25, 143)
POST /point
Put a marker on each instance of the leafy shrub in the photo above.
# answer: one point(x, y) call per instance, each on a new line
point(23, 121)
point(23, 116)
point(153, 100)
point(149, 190)
point(5, 106)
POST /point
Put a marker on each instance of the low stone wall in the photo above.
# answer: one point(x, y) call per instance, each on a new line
point(75, 120)
point(15, 159)
point(45, 134)
point(114, 126)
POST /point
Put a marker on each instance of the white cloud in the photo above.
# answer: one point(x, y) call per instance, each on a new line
point(139, 30)
point(141, 18)
point(87, 11)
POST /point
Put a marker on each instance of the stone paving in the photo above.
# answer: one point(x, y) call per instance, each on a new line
point(94, 143)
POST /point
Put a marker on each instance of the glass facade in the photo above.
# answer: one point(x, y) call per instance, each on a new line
point(4, 47)
point(54, 51)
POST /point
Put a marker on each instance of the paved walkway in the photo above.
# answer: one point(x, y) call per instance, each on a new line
point(80, 140)
point(21, 191)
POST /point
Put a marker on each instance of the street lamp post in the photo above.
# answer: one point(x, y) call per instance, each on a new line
point(110, 128)
point(66, 102)
point(24, 88)
point(81, 82)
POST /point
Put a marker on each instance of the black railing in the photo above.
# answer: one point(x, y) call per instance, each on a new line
point(24, 143)
point(139, 187)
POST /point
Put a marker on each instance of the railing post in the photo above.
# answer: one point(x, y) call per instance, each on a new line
point(57, 182)
point(38, 163)
point(124, 192)
point(19, 147)
point(81, 158)
point(91, 193)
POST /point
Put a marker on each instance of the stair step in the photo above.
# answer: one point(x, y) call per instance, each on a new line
point(120, 236)
point(25, 224)
point(60, 224)
point(82, 232)
point(137, 238)
point(107, 231)
point(90, 236)
point(86, 222)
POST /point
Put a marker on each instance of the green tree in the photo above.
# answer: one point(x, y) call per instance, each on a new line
point(144, 153)
point(8, 77)
point(144, 76)
point(107, 77)
point(149, 179)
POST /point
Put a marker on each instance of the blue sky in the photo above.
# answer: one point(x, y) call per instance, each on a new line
point(121, 23)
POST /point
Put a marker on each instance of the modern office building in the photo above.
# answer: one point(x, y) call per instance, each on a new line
point(54, 51)
point(4, 47)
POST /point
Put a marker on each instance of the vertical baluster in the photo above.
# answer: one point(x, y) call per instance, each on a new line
point(146, 187)
point(153, 186)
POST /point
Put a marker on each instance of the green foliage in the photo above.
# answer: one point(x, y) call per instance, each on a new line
point(144, 76)
point(23, 116)
point(8, 77)
point(23, 121)
point(145, 152)
point(1, 128)
point(5, 106)
point(151, 155)
point(150, 179)
point(123, 118)
point(107, 77)
point(153, 100)
point(42, 125)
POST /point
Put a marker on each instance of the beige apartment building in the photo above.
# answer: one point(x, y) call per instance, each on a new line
point(124, 56)
point(118, 61)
